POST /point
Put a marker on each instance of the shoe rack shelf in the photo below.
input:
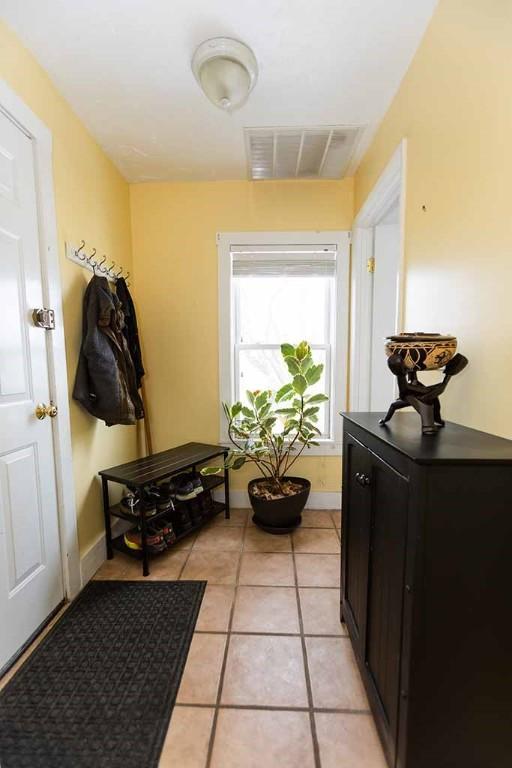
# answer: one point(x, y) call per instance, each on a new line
point(142, 473)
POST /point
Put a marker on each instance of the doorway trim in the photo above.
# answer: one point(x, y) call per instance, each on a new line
point(389, 188)
point(12, 106)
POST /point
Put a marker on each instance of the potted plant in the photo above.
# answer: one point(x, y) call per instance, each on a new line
point(271, 431)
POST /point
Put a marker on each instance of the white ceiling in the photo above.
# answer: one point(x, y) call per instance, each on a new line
point(124, 66)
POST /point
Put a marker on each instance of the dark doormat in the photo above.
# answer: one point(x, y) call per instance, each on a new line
point(99, 690)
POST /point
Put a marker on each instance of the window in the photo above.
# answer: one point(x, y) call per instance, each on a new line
point(284, 287)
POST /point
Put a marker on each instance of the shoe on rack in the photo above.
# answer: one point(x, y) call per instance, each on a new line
point(165, 527)
point(154, 541)
point(195, 511)
point(206, 503)
point(130, 503)
point(186, 491)
point(198, 485)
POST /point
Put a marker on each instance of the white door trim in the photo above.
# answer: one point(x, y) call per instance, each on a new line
point(389, 187)
point(16, 110)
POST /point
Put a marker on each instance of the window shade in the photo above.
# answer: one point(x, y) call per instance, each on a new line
point(295, 260)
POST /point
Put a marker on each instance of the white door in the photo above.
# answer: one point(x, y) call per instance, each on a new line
point(31, 583)
point(386, 251)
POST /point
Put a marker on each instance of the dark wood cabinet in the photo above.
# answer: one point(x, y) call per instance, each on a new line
point(426, 588)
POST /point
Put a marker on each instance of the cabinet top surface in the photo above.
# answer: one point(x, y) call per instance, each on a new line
point(453, 443)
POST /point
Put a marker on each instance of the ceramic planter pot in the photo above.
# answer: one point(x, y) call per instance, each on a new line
point(422, 351)
point(279, 515)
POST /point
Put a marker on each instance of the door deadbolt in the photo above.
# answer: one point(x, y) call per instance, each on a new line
point(43, 410)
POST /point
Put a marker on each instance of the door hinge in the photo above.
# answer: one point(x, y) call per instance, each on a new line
point(44, 318)
point(370, 265)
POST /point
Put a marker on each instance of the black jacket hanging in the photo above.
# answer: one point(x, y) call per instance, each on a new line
point(105, 381)
point(130, 329)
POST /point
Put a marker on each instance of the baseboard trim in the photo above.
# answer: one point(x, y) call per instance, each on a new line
point(317, 499)
point(97, 553)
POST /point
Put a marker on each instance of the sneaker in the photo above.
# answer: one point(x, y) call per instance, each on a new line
point(164, 501)
point(155, 541)
point(206, 503)
point(166, 530)
point(185, 492)
point(196, 512)
point(168, 489)
point(131, 504)
point(168, 533)
point(198, 486)
point(148, 508)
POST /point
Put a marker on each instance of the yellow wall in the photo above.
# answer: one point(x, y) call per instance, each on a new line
point(454, 107)
point(175, 261)
point(92, 201)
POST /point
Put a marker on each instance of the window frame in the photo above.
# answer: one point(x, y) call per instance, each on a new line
point(340, 314)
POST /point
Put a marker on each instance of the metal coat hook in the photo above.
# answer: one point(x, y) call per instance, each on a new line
point(77, 252)
point(119, 273)
point(90, 257)
point(100, 264)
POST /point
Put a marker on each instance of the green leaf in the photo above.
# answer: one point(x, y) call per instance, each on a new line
point(261, 399)
point(314, 373)
point(306, 363)
point(293, 365)
point(247, 412)
point(317, 399)
point(239, 462)
point(310, 425)
point(286, 411)
point(284, 393)
point(265, 411)
point(227, 411)
point(300, 384)
point(287, 350)
point(302, 350)
point(211, 471)
point(250, 396)
point(310, 411)
point(236, 408)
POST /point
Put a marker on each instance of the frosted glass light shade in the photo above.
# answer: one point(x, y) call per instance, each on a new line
point(226, 70)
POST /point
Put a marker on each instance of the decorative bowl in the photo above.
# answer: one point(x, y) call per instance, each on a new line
point(422, 351)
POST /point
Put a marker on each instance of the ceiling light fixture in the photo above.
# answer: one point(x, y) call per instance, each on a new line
point(226, 70)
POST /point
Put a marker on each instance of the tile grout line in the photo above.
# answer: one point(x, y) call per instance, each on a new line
point(309, 690)
point(186, 559)
point(269, 634)
point(213, 730)
point(275, 708)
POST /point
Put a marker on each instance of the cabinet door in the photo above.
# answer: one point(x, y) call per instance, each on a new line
point(355, 539)
point(389, 494)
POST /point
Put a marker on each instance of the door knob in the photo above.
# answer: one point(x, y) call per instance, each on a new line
point(43, 410)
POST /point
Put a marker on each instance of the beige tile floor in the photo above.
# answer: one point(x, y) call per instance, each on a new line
point(271, 678)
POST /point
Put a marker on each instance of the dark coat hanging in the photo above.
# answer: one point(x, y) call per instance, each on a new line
point(105, 381)
point(130, 329)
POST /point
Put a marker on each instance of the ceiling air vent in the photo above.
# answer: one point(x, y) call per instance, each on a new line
point(300, 153)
